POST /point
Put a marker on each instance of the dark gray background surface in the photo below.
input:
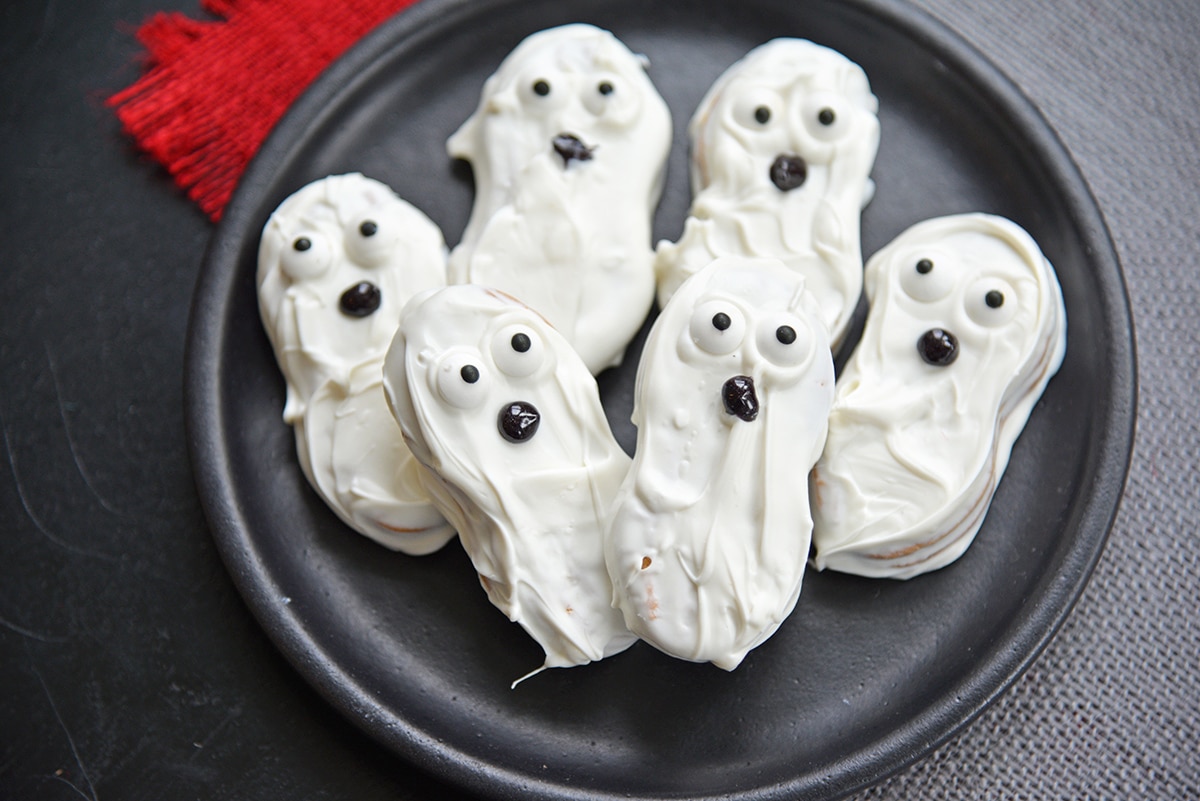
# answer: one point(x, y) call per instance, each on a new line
point(130, 667)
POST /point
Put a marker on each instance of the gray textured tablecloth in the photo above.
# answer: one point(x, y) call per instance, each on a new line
point(1112, 708)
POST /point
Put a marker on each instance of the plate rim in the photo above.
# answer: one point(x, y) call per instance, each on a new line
point(908, 741)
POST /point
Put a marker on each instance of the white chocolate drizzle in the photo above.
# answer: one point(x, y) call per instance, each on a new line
point(570, 237)
point(710, 535)
point(313, 249)
point(916, 450)
point(530, 513)
point(787, 99)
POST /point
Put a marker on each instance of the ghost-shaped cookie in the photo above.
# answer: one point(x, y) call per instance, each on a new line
point(521, 460)
point(782, 147)
point(568, 148)
point(710, 533)
point(337, 262)
point(966, 327)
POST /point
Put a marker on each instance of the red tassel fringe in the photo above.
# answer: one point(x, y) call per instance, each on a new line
point(213, 90)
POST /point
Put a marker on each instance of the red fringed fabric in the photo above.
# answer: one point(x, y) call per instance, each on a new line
point(213, 90)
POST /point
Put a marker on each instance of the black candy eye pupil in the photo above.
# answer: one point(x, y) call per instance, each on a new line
point(826, 116)
point(521, 343)
point(605, 88)
point(785, 334)
point(368, 228)
point(762, 115)
point(541, 88)
point(469, 373)
point(924, 266)
point(721, 321)
point(994, 299)
point(302, 244)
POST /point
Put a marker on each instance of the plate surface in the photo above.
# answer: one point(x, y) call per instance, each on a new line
point(865, 676)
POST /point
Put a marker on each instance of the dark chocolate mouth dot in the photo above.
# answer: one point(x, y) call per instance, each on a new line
point(785, 334)
point(469, 373)
point(571, 148)
point(826, 116)
point(520, 342)
point(762, 115)
point(938, 347)
point(789, 172)
point(605, 88)
point(739, 397)
point(360, 300)
point(302, 244)
point(518, 421)
point(994, 299)
point(924, 266)
point(541, 88)
point(368, 228)
point(721, 321)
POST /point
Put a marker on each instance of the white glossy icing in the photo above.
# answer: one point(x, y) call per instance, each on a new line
point(915, 451)
point(349, 447)
point(530, 514)
point(710, 535)
point(571, 239)
point(770, 104)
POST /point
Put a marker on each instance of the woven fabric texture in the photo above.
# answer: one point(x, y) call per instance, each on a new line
point(214, 89)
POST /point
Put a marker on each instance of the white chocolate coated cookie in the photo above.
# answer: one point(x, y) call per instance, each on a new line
point(508, 420)
point(782, 149)
point(710, 535)
point(966, 327)
point(568, 147)
point(337, 262)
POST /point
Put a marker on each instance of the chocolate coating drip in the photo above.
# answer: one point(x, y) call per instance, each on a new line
point(518, 421)
point(740, 399)
point(789, 172)
point(571, 147)
point(938, 347)
point(360, 300)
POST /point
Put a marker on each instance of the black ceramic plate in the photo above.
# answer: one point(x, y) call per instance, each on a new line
point(865, 676)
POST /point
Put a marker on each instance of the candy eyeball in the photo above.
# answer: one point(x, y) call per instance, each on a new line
point(372, 236)
point(826, 116)
point(758, 108)
point(603, 93)
point(784, 340)
point(308, 255)
point(461, 379)
point(991, 302)
point(717, 327)
point(518, 351)
point(927, 276)
point(542, 90)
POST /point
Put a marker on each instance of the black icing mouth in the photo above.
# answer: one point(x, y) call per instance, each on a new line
point(938, 347)
point(571, 148)
point(360, 300)
point(518, 421)
point(788, 172)
point(739, 397)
